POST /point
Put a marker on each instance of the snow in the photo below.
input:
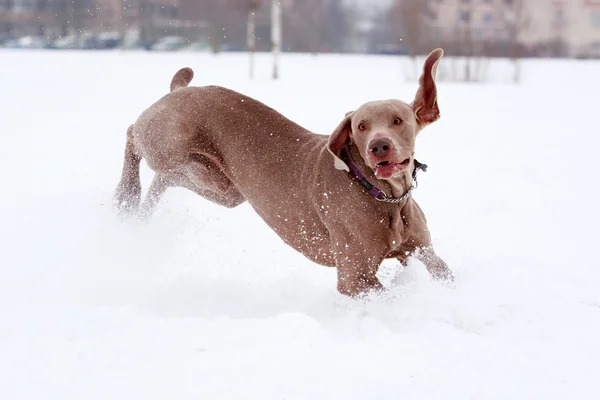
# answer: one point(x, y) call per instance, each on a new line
point(205, 302)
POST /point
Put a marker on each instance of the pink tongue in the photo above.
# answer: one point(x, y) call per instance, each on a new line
point(382, 170)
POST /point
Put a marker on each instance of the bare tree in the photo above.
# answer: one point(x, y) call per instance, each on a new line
point(465, 33)
point(517, 21)
point(410, 26)
point(227, 20)
point(76, 14)
point(146, 22)
point(302, 25)
point(467, 43)
point(335, 27)
point(316, 26)
point(121, 21)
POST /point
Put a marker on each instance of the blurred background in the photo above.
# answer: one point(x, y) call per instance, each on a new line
point(490, 28)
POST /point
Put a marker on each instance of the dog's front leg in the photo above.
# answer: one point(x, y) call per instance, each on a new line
point(357, 265)
point(418, 242)
point(355, 279)
point(435, 265)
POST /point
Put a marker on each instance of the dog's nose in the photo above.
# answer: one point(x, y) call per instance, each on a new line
point(380, 147)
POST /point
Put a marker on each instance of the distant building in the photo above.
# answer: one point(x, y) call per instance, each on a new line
point(32, 17)
point(573, 25)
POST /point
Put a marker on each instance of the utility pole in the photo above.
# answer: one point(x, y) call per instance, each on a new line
point(276, 35)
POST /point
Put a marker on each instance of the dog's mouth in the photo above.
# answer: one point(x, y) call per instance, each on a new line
point(387, 169)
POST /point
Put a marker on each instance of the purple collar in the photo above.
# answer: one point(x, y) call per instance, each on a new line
point(375, 192)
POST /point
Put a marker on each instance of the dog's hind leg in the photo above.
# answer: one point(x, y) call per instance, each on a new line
point(128, 192)
point(205, 177)
point(200, 176)
point(155, 192)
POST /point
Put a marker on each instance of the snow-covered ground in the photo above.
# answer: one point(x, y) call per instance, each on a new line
point(203, 302)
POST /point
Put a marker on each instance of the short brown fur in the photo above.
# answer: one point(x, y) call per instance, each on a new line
point(230, 148)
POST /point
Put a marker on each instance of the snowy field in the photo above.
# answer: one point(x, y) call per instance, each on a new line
point(203, 302)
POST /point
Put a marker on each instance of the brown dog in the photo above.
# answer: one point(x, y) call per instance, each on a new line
point(341, 200)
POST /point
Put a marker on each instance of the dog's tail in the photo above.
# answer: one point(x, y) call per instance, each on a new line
point(182, 78)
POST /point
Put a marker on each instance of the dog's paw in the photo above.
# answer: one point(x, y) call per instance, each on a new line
point(125, 203)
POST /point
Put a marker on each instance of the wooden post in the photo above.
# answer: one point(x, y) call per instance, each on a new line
point(276, 35)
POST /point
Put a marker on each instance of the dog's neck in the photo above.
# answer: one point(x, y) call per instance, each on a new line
point(393, 187)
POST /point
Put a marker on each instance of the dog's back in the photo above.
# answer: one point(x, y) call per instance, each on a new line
point(230, 148)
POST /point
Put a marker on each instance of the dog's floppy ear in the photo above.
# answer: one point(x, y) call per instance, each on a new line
point(338, 138)
point(425, 104)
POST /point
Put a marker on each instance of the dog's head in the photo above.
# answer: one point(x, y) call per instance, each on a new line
point(384, 132)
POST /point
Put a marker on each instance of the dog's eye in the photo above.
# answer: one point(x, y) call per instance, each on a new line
point(362, 126)
point(397, 121)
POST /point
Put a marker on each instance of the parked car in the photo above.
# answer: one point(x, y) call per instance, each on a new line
point(5, 37)
point(104, 41)
point(90, 43)
point(33, 42)
point(133, 45)
point(196, 46)
point(391, 49)
point(170, 43)
point(227, 47)
point(109, 40)
point(66, 42)
point(11, 43)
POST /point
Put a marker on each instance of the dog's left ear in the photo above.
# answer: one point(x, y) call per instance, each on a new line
point(338, 138)
point(425, 104)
